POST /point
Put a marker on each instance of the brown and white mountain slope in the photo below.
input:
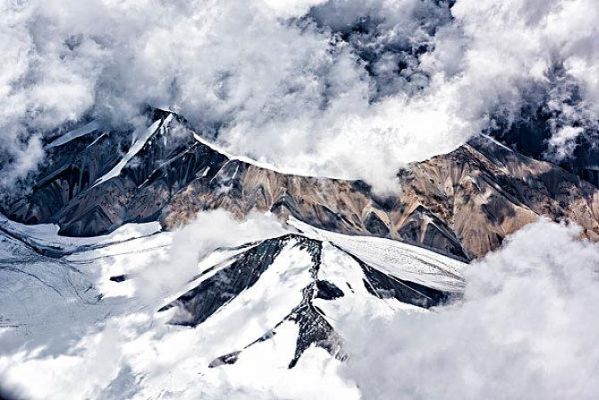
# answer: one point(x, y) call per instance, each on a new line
point(462, 203)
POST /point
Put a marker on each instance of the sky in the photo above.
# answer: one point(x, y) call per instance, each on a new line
point(334, 88)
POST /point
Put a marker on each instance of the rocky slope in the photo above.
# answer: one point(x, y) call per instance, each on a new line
point(461, 204)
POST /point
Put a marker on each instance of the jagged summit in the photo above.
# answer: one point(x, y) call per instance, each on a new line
point(325, 277)
point(460, 204)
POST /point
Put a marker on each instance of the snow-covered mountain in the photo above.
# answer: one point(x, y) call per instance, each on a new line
point(272, 305)
point(462, 204)
point(108, 290)
point(299, 199)
point(98, 269)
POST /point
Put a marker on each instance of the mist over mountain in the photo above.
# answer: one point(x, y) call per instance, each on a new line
point(336, 81)
point(299, 199)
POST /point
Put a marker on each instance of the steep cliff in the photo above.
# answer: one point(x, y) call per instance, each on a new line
point(461, 204)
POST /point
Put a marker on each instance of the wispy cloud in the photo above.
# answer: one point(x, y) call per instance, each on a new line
point(210, 231)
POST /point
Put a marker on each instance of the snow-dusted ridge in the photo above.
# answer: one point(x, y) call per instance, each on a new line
point(272, 306)
point(143, 136)
point(401, 259)
point(251, 161)
point(45, 239)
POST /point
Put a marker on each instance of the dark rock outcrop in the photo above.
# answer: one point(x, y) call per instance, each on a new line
point(461, 204)
point(216, 291)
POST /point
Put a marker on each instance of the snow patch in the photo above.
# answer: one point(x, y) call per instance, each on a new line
point(140, 140)
point(76, 133)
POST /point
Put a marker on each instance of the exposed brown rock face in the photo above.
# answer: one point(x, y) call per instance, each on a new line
point(484, 192)
point(463, 203)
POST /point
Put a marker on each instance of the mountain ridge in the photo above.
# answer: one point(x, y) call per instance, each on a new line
point(461, 204)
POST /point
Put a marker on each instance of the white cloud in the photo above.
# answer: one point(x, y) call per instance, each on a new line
point(210, 230)
point(278, 83)
point(526, 328)
point(563, 141)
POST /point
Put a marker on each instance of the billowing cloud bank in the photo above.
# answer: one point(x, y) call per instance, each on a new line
point(526, 328)
point(352, 89)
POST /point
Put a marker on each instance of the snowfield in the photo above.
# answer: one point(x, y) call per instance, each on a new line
point(400, 259)
point(79, 316)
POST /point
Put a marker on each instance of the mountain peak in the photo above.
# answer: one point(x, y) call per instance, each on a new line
point(461, 204)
